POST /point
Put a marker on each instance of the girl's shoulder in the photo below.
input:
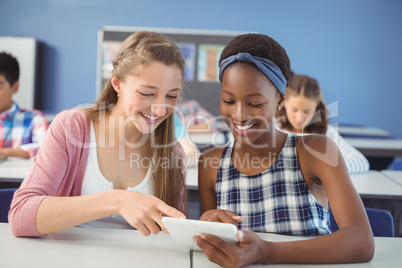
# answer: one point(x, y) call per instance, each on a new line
point(73, 125)
point(316, 152)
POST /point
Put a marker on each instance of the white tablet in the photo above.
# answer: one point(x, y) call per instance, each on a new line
point(183, 230)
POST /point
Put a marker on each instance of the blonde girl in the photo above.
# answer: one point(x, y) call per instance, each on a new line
point(115, 164)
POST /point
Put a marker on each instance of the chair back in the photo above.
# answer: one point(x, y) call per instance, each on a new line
point(6, 196)
point(381, 222)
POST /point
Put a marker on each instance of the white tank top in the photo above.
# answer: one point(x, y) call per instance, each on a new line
point(95, 182)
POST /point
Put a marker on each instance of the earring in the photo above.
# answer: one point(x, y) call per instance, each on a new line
point(118, 95)
point(279, 107)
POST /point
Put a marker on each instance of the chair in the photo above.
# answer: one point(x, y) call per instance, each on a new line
point(381, 222)
point(396, 164)
point(6, 195)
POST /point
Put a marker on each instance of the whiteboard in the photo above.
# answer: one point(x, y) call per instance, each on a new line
point(24, 49)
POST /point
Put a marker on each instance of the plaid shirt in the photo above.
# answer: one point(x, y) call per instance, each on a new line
point(276, 200)
point(23, 129)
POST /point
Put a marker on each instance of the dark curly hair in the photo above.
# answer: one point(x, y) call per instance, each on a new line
point(9, 67)
point(259, 45)
point(308, 87)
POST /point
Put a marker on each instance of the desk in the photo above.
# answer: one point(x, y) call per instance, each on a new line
point(375, 184)
point(91, 247)
point(395, 175)
point(376, 144)
point(387, 254)
point(379, 190)
point(14, 170)
point(377, 147)
point(347, 131)
point(379, 152)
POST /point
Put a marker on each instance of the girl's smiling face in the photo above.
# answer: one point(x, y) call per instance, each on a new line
point(248, 103)
point(150, 97)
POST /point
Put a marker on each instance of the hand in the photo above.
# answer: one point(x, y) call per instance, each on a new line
point(144, 212)
point(3, 153)
point(221, 215)
point(249, 249)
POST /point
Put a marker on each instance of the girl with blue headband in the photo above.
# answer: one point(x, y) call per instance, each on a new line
point(266, 180)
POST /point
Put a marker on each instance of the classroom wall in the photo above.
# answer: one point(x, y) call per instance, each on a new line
point(353, 47)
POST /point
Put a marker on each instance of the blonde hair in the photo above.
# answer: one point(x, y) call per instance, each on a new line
point(303, 85)
point(137, 52)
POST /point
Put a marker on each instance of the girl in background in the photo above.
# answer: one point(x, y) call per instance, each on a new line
point(304, 112)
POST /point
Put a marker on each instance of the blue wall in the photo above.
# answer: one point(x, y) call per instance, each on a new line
point(353, 47)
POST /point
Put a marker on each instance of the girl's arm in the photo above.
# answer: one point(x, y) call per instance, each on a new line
point(320, 159)
point(52, 173)
point(13, 152)
point(140, 210)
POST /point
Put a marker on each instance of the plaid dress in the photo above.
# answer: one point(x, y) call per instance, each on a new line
point(276, 200)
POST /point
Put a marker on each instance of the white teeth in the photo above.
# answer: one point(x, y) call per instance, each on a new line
point(150, 117)
point(244, 127)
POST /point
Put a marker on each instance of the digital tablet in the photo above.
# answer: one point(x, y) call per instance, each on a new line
point(183, 230)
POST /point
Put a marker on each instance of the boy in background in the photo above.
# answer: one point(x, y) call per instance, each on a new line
point(21, 131)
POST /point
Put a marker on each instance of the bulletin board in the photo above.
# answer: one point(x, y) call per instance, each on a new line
point(201, 50)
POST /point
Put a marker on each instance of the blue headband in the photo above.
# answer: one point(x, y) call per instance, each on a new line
point(266, 66)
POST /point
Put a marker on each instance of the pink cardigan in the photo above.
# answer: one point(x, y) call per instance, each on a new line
point(58, 170)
